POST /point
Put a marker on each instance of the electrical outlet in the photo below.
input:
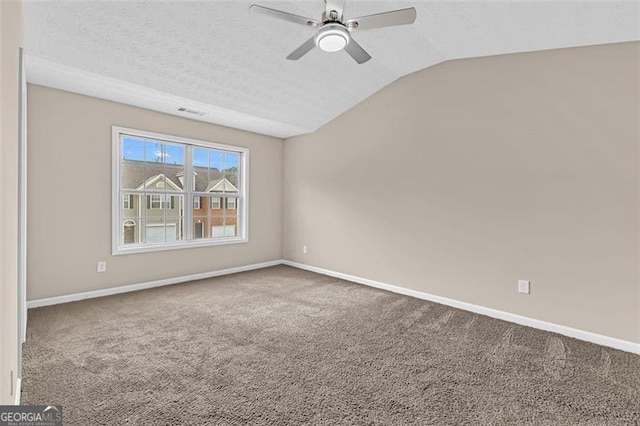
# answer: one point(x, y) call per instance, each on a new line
point(304, 249)
point(102, 266)
point(523, 286)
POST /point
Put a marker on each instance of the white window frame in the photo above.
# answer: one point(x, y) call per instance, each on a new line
point(117, 194)
point(196, 202)
point(235, 203)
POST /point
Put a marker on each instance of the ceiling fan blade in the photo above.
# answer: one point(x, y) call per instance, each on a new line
point(357, 52)
point(385, 19)
point(302, 50)
point(284, 16)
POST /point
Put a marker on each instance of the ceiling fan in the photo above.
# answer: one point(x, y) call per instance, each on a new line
point(334, 32)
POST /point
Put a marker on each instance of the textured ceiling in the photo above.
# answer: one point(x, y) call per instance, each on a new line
point(217, 57)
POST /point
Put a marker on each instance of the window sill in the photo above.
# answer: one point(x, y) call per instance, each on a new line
point(136, 249)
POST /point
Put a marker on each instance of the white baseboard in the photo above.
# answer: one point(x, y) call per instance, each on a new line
point(36, 303)
point(588, 336)
point(18, 390)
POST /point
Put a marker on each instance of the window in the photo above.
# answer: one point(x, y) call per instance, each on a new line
point(215, 203)
point(127, 201)
point(164, 172)
point(160, 201)
point(154, 201)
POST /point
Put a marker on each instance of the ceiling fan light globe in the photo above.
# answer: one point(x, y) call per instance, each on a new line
point(332, 43)
point(332, 38)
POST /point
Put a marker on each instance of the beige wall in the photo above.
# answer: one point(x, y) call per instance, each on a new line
point(69, 230)
point(10, 39)
point(462, 178)
point(457, 180)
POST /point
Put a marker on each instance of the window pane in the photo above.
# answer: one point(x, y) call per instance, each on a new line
point(212, 203)
point(173, 228)
point(200, 157)
point(132, 162)
point(231, 165)
point(164, 167)
point(127, 202)
point(149, 164)
point(173, 205)
point(153, 152)
point(231, 162)
point(217, 223)
point(233, 183)
point(205, 206)
point(201, 227)
point(216, 160)
point(226, 231)
point(154, 202)
point(231, 203)
point(231, 226)
point(201, 168)
point(132, 148)
point(173, 154)
point(159, 231)
point(130, 231)
point(130, 206)
point(208, 164)
point(216, 165)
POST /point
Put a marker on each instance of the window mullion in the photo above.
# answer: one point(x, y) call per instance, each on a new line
point(188, 193)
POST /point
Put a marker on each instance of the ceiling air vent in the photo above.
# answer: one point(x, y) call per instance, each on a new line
point(192, 111)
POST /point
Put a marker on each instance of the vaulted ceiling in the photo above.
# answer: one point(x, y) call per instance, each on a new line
point(216, 57)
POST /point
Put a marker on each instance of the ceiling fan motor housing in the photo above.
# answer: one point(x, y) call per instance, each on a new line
point(332, 37)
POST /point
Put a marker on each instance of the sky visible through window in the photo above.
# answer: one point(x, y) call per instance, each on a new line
point(163, 152)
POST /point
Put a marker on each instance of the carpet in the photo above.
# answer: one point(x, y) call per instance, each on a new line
point(282, 346)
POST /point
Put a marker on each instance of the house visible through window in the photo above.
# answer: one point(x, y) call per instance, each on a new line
point(157, 174)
